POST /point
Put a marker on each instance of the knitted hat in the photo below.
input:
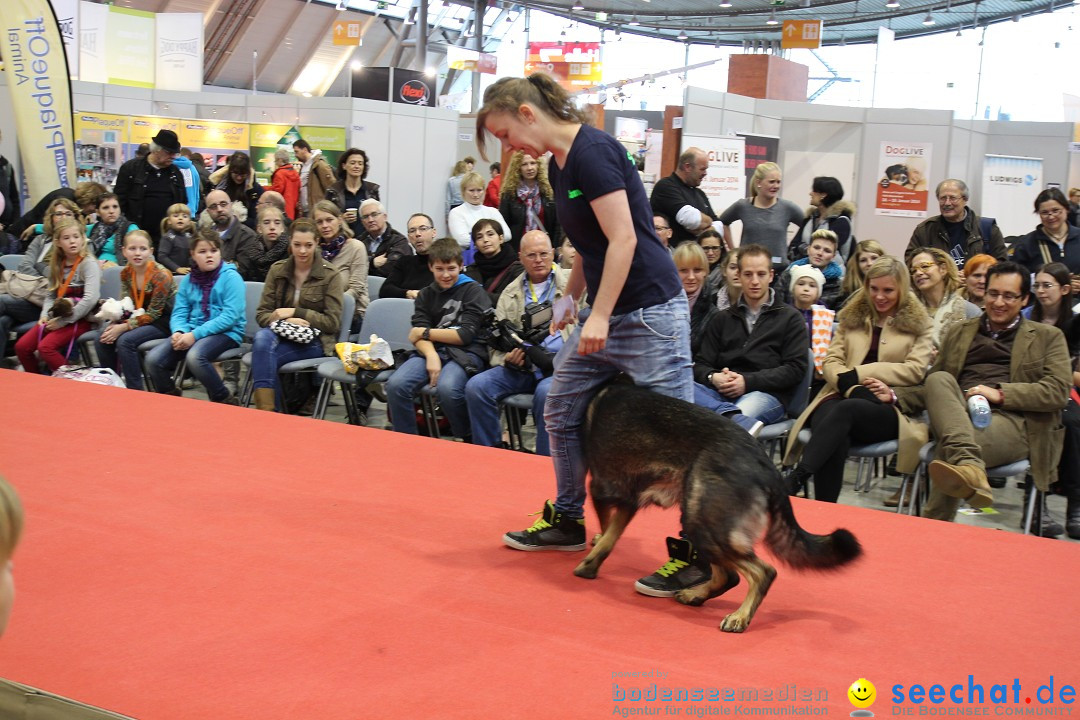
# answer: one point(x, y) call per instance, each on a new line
point(807, 270)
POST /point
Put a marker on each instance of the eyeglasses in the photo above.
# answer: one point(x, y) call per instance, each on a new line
point(710, 248)
point(994, 296)
point(660, 228)
point(1045, 285)
point(950, 198)
point(420, 229)
point(371, 215)
point(538, 256)
point(922, 267)
point(1051, 213)
point(219, 206)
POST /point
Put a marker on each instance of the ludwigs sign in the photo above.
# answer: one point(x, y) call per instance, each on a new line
point(393, 85)
point(37, 79)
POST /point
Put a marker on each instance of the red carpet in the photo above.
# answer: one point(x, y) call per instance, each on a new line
point(184, 560)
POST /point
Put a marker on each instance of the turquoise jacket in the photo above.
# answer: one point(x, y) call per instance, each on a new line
point(228, 307)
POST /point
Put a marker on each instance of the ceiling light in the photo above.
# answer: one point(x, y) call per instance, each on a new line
point(725, 3)
point(928, 20)
point(578, 5)
point(341, 5)
point(306, 94)
point(357, 65)
point(772, 19)
point(893, 4)
point(633, 21)
point(959, 31)
point(682, 35)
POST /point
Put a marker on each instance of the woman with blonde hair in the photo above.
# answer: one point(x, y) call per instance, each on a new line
point(526, 200)
point(975, 268)
point(883, 340)
point(937, 283)
point(74, 289)
point(693, 268)
point(345, 252)
point(864, 255)
point(765, 216)
point(11, 525)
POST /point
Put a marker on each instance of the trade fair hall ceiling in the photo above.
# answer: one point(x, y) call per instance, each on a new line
point(288, 46)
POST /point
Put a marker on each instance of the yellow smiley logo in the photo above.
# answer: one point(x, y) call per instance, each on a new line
point(862, 693)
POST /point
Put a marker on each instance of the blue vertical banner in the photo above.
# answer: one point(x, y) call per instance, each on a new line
point(38, 81)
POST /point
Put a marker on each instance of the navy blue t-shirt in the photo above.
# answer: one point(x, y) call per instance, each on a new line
point(596, 165)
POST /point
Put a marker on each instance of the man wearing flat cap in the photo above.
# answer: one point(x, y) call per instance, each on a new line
point(148, 186)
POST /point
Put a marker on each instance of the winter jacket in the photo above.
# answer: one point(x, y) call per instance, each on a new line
point(393, 246)
point(321, 297)
point(772, 359)
point(462, 307)
point(228, 307)
point(513, 212)
point(286, 181)
point(932, 232)
point(1036, 249)
point(837, 217)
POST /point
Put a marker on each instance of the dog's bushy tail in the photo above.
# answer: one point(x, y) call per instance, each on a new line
point(804, 550)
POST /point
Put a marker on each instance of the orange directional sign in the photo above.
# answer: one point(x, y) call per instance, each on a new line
point(346, 32)
point(801, 34)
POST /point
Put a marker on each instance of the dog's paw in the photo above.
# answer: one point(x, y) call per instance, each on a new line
point(691, 596)
point(586, 570)
point(735, 623)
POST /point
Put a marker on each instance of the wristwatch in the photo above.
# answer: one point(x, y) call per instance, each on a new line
point(426, 335)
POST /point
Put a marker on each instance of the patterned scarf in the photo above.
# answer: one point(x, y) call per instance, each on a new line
point(100, 233)
point(530, 198)
point(331, 248)
point(205, 282)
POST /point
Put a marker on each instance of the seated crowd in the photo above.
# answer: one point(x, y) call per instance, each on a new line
point(879, 348)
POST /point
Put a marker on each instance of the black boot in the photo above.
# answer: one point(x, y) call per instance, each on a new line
point(797, 480)
point(1042, 525)
point(1072, 516)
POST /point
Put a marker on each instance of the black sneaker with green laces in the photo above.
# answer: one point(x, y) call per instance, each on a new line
point(553, 531)
point(681, 571)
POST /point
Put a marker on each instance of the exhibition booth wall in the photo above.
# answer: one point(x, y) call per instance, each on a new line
point(411, 149)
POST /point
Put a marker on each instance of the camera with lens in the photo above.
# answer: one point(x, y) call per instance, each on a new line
point(505, 336)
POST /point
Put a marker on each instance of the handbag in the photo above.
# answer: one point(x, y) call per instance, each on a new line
point(301, 334)
point(96, 375)
point(32, 288)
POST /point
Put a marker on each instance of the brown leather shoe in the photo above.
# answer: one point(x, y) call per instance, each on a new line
point(893, 500)
point(967, 482)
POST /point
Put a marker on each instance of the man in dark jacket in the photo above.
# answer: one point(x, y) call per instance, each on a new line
point(411, 273)
point(148, 186)
point(753, 355)
point(680, 197)
point(384, 244)
point(9, 188)
point(957, 230)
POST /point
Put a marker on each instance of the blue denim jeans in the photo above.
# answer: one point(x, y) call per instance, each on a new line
point(407, 381)
point(14, 312)
point(200, 357)
point(483, 393)
point(269, 351)
point(650, 345)
point(126, 350)
point(758, 405)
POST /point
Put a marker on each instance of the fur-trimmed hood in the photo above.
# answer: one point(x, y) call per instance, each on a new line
point(840, 207)
point(911, 318)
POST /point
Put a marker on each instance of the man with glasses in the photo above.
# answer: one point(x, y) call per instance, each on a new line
point(1022, 368)
point(385, 245)
point(410, 274)
point(513, 372)
point(680, 197)
point(957, 230)
point(663, 229)
point(234, 234)
point(148, 186)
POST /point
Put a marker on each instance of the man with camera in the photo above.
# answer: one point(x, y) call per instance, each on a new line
point(522, 348)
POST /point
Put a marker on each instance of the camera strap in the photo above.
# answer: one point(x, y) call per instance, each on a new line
point(530, 289)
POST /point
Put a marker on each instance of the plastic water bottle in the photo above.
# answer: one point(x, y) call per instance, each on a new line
point(979, 409)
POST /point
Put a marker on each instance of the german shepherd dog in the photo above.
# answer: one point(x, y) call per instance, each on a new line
point(642, 447)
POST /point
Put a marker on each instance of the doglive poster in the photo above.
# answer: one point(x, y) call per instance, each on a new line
point(1009, 186)
point(903, 186)
point(725, 181)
